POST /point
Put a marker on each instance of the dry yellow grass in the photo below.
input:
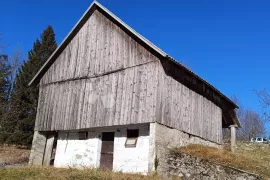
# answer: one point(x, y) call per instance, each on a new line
point(13, 154)
point(249, 157)
point(45, 173)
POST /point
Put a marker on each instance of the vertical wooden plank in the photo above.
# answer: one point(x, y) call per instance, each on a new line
point(81, 104)
point(200, 111)
point(92, 44)
point(85, 105)
point(46, 108)
point(51, 98)
point(97, 104)
point(91, 112)
point(150, 97)
point(142, 96)
point(105, 85)
point(75, 110)
point(113, 98)
point(111, 47)
point(155, 78)
point(48, 150)
point(98, 43)
point(159, 94)
point(124, 99)
point(40, 108)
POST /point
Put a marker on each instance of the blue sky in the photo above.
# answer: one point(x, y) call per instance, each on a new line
point(226, 42)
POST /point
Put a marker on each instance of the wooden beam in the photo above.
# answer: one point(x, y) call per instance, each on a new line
point(235, 119)
point(233, 137)
point(48, 150)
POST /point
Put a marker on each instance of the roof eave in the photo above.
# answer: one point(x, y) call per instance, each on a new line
point(204, 81)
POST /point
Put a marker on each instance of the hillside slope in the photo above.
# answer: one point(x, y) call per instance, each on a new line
point(254, 158)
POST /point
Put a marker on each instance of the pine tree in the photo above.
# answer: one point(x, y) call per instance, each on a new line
point(4, 84)
point(24, 100)
point(4, 90)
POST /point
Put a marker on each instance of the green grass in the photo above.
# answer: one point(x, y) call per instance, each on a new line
point(46, 173)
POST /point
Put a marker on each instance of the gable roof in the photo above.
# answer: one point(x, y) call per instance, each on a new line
point(139, 38)
point(95, 5)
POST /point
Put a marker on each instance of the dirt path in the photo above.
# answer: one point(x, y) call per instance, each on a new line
point(13, 156)
point(12, 165)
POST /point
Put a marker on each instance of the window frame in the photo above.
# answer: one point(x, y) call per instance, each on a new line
point(131, 136)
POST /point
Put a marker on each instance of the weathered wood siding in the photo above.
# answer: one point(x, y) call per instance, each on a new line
point(184, 109)
point(99, 47)
point(102, 78)
point(124, 97)
point(105, 78)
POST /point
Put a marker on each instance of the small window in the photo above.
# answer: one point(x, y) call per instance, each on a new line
point(83, 135)
point(132, 137)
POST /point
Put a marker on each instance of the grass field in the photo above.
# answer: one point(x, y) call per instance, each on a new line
point(45, 173)
point(249, 157)
point(253, 158)
point(14, 155)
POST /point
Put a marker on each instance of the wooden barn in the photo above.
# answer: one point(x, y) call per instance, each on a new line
point(110, 98)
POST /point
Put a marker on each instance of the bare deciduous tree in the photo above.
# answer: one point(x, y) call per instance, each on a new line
point(9, 66)
point(264, 98)
point(252, 124)
point(15, 61)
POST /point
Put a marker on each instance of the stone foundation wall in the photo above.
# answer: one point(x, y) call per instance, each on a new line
point(188, 167)
point(167, 138)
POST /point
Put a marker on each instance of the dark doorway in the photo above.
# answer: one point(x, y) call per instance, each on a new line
point(106, 158)
point(54, 149)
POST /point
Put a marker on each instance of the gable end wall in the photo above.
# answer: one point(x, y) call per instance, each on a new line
point(105, 78)
point(102, 78)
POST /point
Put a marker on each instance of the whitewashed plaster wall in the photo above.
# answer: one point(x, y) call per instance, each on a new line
point(134, 159)
point(72, 152)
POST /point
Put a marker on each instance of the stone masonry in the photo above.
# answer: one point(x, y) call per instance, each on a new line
point(189, 167)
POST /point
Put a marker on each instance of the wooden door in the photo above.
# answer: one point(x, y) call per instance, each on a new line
point(106, 158)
